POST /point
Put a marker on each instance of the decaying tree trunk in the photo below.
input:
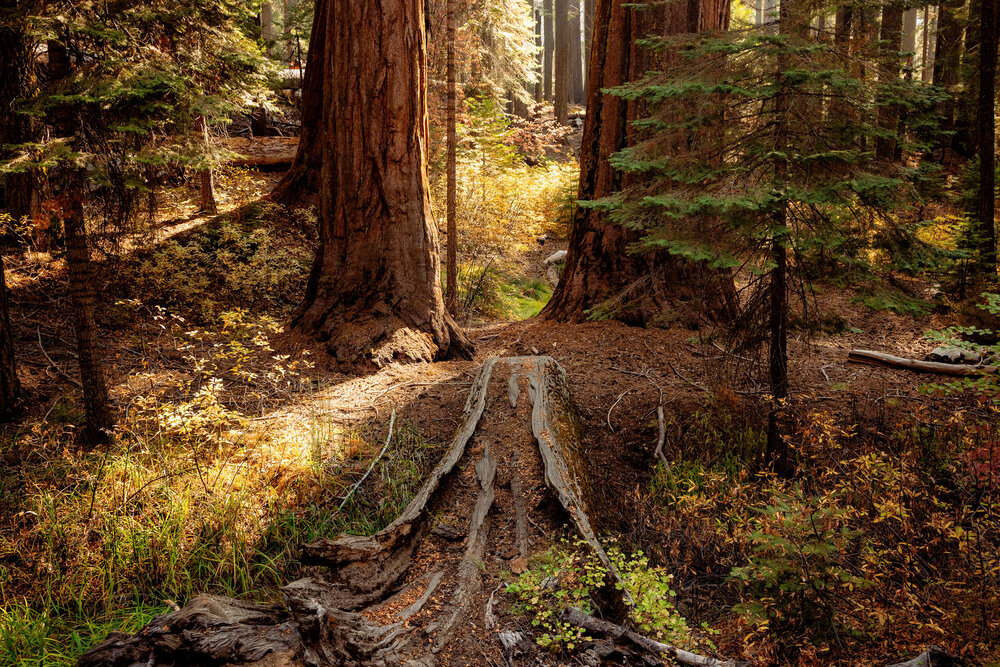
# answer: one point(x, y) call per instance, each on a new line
point(599, 269)
point(369, 606)
point(375, 293)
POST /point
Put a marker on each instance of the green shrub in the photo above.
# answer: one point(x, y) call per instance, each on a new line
point(222, 266)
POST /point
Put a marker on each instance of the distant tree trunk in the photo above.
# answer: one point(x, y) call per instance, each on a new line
point(375, 292)
point(71, 185)
point(986, 133)
point(927, 49)
point(561, 73)
point(910, 40)
point(948, 58)
point(302, 180)
point(964, 140)
point(539, 85)
point(576, 91)
point(549, 48)
point(15, 81)
point(599, 266)
point(890, 38)
point(286, 27)
point(842, 33)
point(267, 24)
point(10, 386)
point(208, 203)
point(588, 41)
point(452, 269)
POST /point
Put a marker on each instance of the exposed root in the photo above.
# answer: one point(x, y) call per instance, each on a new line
point(404, 596)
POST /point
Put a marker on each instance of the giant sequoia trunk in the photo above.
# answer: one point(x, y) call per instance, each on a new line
point(375, 288)
point(599, 268)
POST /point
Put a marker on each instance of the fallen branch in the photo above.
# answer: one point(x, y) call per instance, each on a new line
point(61, 372)
point(917, 366)
point(932, 657)
point(602, 628)
point(661, 437)
point(388, 439)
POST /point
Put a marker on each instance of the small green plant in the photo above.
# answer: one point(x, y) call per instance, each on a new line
point(567, 575)
point(798, 566)
point(651, 589)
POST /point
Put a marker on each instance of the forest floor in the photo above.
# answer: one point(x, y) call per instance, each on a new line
point(236, 446)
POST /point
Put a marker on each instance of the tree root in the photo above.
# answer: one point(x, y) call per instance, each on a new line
point(359, 611)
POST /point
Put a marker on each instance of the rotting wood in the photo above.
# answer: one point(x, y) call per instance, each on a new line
point(368, 566)
point(469, 576)
point(602, 628)
point(557, 430)
point(520, 511)
point(917, 366)
point(347, 614)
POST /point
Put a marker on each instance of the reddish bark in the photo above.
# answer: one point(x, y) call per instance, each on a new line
point(375, 291)
point(598, 266)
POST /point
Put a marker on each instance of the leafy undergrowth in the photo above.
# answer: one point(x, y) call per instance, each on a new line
point(191, 497)
point(571, 575)
point(237, 260)
point(503, 207)
point(877, 545)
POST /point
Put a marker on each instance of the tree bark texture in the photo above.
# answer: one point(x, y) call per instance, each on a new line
point(452, 300)
point(927, 48)
point(577, 94)
point(588, 42)
point(208, 202)
point(302, 180)
point(10, 385)
point(891, 39)
point(948, 56)
point(986, 132)
point(549, 49)
point(598, 265)
point(375, 290)
point(70, 188)
point(560, 75)
point(15, 82)
point(539, 93)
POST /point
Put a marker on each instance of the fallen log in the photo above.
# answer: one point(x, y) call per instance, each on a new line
point(917, 366)
point(380, 600)
point(602, 628)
